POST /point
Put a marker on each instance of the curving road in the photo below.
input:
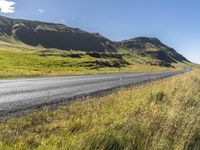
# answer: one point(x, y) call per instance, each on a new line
point(25, 93)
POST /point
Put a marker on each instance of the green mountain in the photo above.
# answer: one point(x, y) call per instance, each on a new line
point(152, 47)
point(49, 35)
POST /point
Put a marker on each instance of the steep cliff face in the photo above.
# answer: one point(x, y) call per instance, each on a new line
point(60, 36)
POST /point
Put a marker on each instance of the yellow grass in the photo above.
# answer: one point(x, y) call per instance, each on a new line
point(159, 115)
point(21, 60)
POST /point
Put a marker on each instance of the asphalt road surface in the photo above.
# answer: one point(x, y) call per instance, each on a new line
point(23, 94)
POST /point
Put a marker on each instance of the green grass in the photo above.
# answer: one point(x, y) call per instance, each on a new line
point(18, 60)
point(158, 115)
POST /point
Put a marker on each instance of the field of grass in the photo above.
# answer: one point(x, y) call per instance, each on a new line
point(21, 60)
point(159, 115)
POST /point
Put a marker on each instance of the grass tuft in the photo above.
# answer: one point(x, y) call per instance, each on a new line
point(159, 96)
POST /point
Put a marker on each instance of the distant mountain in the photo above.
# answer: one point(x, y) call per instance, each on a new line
point(60, 36)
point(152, 47)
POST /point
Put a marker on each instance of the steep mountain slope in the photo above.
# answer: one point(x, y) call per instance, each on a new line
point(49, 35)
point(152, 47)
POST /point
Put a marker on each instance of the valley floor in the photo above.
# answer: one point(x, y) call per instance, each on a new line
point(157, 115)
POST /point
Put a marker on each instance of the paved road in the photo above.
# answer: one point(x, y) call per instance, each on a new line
point(22, 94)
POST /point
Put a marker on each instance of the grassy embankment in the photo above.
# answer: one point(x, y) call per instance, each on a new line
point(18, 60)
point(157, 115)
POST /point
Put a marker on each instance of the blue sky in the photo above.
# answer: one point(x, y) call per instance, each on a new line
point(174, 22)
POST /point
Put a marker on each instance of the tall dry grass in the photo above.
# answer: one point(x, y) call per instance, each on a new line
point(159, 115)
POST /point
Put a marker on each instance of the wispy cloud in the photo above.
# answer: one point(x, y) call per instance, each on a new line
point(7, 6)
point(40, 10)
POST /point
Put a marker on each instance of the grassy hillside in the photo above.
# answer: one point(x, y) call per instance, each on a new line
point(158, 115)
point(17, 60)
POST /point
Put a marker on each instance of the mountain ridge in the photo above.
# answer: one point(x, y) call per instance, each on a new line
point(60, 36)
